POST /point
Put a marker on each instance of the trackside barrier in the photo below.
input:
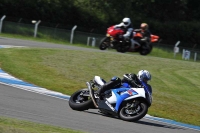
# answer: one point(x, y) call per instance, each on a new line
point(72, 34)
point(1, 22)
point(93, 43)
point(176, 48)
point(195, 56)
point(186, 54)
point(36, 27)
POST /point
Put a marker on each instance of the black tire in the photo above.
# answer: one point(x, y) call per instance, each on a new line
point(145, 51)
point(134, 117)
point(80, 105)
point(104, 43)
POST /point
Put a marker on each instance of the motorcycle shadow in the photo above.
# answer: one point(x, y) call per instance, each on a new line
point(142, 121)
point(158, 125)
point(100, 114)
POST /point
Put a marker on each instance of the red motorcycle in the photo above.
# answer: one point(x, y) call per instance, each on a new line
point(115, 40)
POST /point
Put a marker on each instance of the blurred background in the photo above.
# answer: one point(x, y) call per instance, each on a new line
point(172, 20)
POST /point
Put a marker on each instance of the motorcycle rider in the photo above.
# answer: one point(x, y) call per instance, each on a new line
point(145, 33)
point(126, 25)
point(142, 76)
point(129, 80)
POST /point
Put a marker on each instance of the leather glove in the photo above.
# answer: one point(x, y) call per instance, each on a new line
point(144, 39)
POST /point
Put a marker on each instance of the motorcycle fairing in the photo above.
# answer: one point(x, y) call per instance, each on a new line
point(106, 106)
point(111, 31)
point(140, 93)
point(145, 86)
point(147, 93)
point(118, 95)
point(121, 94)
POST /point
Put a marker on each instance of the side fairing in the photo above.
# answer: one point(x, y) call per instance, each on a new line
point(112, 99)
point(121, 94)
point(137, 92)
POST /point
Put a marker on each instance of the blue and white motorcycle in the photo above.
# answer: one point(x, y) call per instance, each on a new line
point(129, 104)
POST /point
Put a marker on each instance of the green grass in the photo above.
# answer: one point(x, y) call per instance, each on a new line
point(175, 82)
point(8, 125)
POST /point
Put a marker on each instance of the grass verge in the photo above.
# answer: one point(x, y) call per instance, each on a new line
point(8, 125)
point(175, 83)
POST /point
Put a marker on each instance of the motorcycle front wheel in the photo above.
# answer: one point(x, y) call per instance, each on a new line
point(132, 112)
point(104, 43)
point(80, 102)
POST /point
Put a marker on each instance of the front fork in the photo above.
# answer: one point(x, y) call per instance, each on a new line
point(112, 42)
point(91, 94)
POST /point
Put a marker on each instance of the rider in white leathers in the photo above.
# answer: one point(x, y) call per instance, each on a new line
point(126, 25)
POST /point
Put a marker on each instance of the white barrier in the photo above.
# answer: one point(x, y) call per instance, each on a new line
point(195, 56)
point(36, 27)
point(186, 54)
point(72, 34)
point(176, 48)
point(93, 43)
point(1, 22)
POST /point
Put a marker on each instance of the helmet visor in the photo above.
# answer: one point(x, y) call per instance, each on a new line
point(125, 23)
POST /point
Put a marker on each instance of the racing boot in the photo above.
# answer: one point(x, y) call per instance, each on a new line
point(98, 81)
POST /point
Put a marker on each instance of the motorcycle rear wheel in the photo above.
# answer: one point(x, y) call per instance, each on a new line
point(104, 43)
point(79, 102)
point(145, 51)
point(133, 114)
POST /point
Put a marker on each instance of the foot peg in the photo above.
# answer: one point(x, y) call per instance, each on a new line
point(91, 94)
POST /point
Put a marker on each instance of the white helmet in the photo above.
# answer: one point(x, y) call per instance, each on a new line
point(126, 22)
point(144, 75)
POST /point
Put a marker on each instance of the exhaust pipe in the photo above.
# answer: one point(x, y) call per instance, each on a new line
point(91, 94)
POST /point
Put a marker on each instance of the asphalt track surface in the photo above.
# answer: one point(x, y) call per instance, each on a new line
point(19, 103)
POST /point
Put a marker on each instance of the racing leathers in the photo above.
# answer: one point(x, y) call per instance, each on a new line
point(128, 32)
